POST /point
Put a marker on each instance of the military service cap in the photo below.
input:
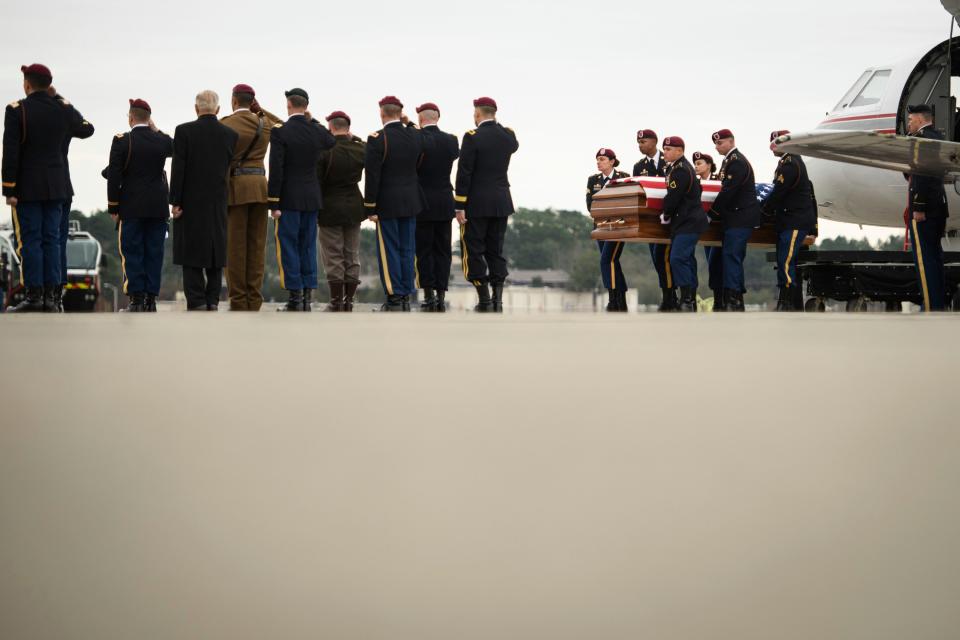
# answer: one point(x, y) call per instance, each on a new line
point(674, 141)
point(428, 106)
point(722, 135)
point(297, 91)
point(489, 103)
point(646, 134)
point(391, 100)
point(137, 103)
point(338, 114)
point(36, 70)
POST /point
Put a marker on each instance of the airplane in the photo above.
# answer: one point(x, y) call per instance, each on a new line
point(860, 144)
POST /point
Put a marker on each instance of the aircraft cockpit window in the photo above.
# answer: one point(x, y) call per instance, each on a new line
point(872, 93)
point(848, 96)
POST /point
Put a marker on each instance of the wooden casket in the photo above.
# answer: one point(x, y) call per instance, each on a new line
point(629, 210)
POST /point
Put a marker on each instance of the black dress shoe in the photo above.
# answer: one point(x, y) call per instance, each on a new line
point(429, 304)
point(484, 302)
point(497, 298)
point(734, 300)
point(294, 302)
point(405, 302)
point(441, 302)
point(669, 302)
point(137, 303)
point(58, 298)
point(394, 303)
point(150, 303)
point(308, 300)
point(688, 299)
point(31, 303)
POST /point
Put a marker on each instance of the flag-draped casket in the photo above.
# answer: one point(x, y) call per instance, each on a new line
point(629, 210)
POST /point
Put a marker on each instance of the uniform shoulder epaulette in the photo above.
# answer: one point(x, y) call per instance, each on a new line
point(278, 125)
point(472, 132)
point(509, 129)
point(375, 134)
point(119, 136)
point(15, 104)
point(733, 156)
point(356, 139)
point(786, 159)
point(64, 102)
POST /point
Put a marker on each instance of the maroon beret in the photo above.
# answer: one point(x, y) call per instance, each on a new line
point(137, 103)
point(776, 134)
point(700, 155)
point(394, 100)
point(485, 102)
point(609, 153)
point(646, 134)
point(244, 88)
point(428, 106)
point(674, 141)
point(722, 134)
point(37, 70)
point(338, 114)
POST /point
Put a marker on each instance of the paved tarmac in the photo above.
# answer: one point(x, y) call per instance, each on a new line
point(387, 476)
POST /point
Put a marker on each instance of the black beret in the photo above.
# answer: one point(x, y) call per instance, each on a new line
point(919, 108)
point(297, 92)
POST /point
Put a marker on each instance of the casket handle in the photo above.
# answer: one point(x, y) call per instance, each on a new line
point(609, 224)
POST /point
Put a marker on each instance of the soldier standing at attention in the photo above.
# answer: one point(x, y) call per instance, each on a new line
point(247, 199)
point(683, 209)
point(653, 164)
point(435, 222)
point(927, 217)
point(137, 199)
point(340, 170)
point(611, 273)
point(202, 153)
point(295, 197)
point(393, 199)
point(36, 183)
point(737, 209)
point(794, 211)
point(484, 203)
point(706, 169)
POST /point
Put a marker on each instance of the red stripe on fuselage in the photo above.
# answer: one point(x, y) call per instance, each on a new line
point(875, 116)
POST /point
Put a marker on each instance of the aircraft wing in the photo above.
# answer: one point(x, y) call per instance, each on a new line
point(937, 158)
point(953, 6)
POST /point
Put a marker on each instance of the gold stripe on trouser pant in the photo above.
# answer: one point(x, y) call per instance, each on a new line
point(276, 240)
point(246, 248)
point(19, 247)
point(786, 263)
point(123, 260)
point(465, 256)
point(340, 252)
point(920, 267)
point(384, 264)
point(666, 267)
point(613, 264)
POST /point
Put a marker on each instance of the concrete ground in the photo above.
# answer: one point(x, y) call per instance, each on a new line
point(387, 476)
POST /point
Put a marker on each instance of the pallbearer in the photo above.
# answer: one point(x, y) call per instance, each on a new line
point(36, 130)
point(340, 170)
point(435, 222)
point(484, 203)
point(393, 198)
point(683, 209)
point(792, 206)
point(737, 209)
point(611, 273)
point(928, 217)
point(293, 192)
point(137, 199)
point(653, 164)
point(706, 169)
point(247, 200)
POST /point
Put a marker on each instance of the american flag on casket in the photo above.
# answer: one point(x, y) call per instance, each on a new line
point(656, 190)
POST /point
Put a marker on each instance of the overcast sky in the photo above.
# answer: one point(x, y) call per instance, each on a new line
point(569, 76)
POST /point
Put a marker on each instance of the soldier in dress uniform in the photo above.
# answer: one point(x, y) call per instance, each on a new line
point(202, 154)
point(295, 197)
point(706, 169)
point(738, 211)
point(484, 203)
point(247, 199)
point(611, 273)
point(340, 170)
point(653, 164)
point(393, 198)
point(793, 208)
point(137, 199)
point(36, 182)
point(435, 222)
point(683, 209)
point(927, 215)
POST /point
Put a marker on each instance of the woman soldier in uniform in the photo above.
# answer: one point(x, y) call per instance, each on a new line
point(706, 169)
point(610, 250)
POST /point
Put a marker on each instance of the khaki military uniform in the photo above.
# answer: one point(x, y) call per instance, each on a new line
point(247, 211)
point(340, 170)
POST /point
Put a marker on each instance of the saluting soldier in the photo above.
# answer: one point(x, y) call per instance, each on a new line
point(611, 273)
point(683, 209)
point(295, 197)
point(928, 215)
point(435, 222)
point(247, 199)
point(137, 200)
point(393, 198)
point(706, 169)
point(793, 209)
point(738, 211)
point(84, 132)
point(484, 203)
point(340, 170)
point(36, 183)
point(653, 164)
point(202, 153)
